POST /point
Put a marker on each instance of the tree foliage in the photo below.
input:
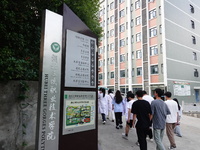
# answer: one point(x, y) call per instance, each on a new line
point(20, 30)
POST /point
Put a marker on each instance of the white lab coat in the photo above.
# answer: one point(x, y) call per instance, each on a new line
point(103, 103)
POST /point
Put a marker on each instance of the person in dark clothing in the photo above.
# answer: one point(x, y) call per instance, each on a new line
point(141, 110)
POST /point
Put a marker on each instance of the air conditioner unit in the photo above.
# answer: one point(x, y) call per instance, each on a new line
point(99, 56)
point(99, 69)
point(99, 82)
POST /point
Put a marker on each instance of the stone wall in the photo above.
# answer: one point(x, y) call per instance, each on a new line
point(18, 117)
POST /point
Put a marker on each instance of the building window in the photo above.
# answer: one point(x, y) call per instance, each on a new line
point(101, 12)
point(194, 56)
point(192, 24)
point(121, 1)
point(132, 38)
point(121, 13)
point(154, 69)
point(139, 71)
point(100, 63)
point(137, 4)
point(160, 28)
point(138, 37)
point(112, 75)
point(133, 72)
point(108, 61)
point(100, 50)
point(108, 47)
point(108, 20)
point(122, 43)
point(112, 32)
point(108, 34)
point(152, 32)
point(132, 55)
point(161, 48)
point(153, 50)
point(112, 60)
point(159, 9)
point(193, 40)
point(122, 28)
point(150, 0)
point(139, 54)
point(162, 69)
point(112, 19)
point(126, 40)
point(112, 46)
point(132, 23)
point(131, 7)
point(152, 14)
point(196, 73)
point(191, 9)
point(111, 5)
point(122, 73)
point(101, 24)
point(122, 58)
point(100, 76)
point(137, 20)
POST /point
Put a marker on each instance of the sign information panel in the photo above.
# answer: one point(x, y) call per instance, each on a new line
point(79, 111)
point(80, 65)
point(182, 89)
point(48, 131)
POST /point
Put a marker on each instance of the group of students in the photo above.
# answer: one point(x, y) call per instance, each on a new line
point(150, 116)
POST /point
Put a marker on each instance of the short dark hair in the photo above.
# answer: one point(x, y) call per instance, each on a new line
point(131, 95)
point(139, 93)
point(159, 92)
point(144, 92)
point(168, 94)
point(110, 91)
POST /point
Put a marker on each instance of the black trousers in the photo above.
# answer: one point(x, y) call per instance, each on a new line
point(142, 134)
point(118, 118)
point(103, 117)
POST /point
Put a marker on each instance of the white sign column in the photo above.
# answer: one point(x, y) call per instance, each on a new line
point(50, 82)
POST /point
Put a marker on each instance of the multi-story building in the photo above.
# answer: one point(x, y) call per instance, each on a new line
point(150, 44)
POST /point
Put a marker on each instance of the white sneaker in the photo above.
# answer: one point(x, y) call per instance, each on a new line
point(171, 147)
point(104, 122)
point(124, 136)
point(151, 140)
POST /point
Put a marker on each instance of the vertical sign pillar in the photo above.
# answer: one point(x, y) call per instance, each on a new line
point(78, 111)
point(47, 137)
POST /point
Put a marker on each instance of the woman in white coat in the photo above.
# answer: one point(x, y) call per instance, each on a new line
point(103, 104)
point(111, 112)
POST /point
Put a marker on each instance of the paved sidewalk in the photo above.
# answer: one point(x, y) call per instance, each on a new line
point(111, 139)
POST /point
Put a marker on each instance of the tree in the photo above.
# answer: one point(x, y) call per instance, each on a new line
point(20, 30)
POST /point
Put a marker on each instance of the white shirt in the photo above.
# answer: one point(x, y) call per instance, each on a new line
point(173, 107)
point(129, 106)
point(148, 98)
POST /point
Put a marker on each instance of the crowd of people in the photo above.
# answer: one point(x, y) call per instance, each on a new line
point(150, 116)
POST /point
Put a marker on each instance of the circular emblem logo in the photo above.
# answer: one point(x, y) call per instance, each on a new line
point(55, 47)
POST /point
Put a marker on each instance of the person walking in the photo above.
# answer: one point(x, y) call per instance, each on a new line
point(141, 110)
point(177, 129)
point(129, 115)
point(111, 113)
point(118, 107)
point(103, 104)
point(172, 119)
point(159, 114)
point(149, 99)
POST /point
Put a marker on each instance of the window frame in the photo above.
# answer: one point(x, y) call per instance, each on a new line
point(152, 68)
point(154, 31)
point(124, 73)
